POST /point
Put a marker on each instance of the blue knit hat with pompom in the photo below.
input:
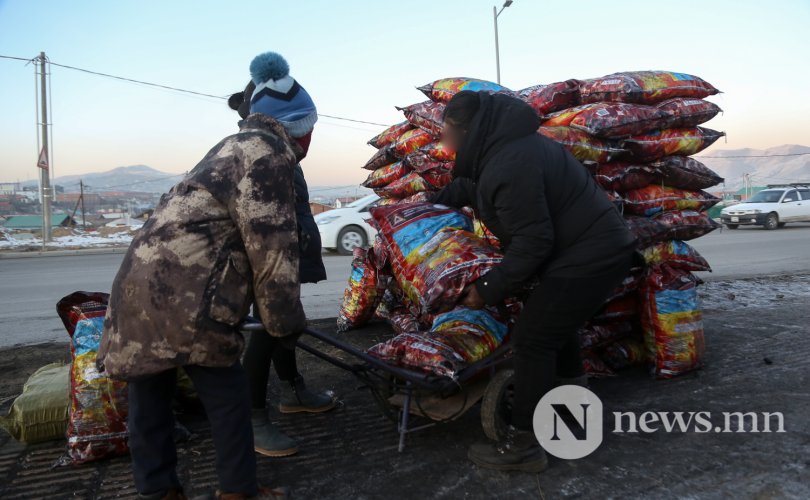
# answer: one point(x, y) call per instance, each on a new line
point(279, 96)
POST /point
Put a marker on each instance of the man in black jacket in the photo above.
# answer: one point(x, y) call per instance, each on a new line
point(565, 244)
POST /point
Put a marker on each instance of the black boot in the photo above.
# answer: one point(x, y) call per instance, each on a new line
point(518, 450)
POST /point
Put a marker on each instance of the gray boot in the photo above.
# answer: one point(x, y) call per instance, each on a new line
point(296, 398)
point(268, 439)
point(517, 451)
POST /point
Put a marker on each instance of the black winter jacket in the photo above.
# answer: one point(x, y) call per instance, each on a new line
point(310, 263)
point(549, 214)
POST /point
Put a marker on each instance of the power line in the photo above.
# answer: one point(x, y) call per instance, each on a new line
point(177, 89)
point(167, 87)
point(17, 58)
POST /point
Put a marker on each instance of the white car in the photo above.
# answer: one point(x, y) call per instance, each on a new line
point(772, 207)
point(344, 229)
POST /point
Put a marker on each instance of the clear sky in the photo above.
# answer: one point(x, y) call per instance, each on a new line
point(359, 59)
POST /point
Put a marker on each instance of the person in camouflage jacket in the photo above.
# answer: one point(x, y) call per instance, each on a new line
point(226, 234)
point(223, 237)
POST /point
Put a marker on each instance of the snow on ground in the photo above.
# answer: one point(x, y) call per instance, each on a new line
point(762, 291)
point(8, 241)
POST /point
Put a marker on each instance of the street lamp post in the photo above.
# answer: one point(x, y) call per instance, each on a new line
point(496, 13)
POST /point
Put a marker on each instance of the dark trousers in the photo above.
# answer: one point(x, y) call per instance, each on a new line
point(545, 336)
point(224, 394)
point(260, 351)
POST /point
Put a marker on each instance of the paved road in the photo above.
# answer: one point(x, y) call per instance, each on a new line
point(754, 251)
point(31, 287)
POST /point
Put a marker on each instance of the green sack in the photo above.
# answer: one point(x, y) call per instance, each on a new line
point(40, 413)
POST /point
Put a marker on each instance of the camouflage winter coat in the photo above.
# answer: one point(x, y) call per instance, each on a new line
point(224, 235)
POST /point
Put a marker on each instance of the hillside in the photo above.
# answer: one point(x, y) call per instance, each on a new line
point(772, 169)
point(132, 178)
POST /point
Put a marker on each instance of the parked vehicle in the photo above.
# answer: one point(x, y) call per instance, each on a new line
point(771, 208)
point(344, 229)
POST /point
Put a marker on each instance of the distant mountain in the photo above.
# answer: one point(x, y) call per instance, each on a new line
point(140, 178)
point(771, 169)
point(329, 194)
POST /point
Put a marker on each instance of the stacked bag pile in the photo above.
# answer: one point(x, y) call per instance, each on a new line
point(635, 132)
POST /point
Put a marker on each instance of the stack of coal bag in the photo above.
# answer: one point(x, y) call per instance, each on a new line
point(636, 133)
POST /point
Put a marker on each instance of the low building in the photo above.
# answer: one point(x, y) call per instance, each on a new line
point(318, 208)
point(33, 222)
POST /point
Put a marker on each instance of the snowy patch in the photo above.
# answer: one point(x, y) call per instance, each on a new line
point(752, 293)
point(8, 241)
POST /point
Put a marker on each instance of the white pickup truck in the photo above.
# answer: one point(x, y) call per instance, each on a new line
point(771, 208)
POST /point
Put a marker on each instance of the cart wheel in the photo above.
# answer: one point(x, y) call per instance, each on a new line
point(496, 406)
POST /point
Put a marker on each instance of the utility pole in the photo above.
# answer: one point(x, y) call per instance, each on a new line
point(43, 164)
point(81, 197)
point(495, 15)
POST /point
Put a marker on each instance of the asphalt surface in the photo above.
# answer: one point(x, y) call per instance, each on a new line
point(30, 287)
point(754, 251)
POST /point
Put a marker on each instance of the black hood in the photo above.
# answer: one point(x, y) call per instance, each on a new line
point(500, 120)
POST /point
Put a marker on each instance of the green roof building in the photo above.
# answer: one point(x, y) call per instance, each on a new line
point(35, 221)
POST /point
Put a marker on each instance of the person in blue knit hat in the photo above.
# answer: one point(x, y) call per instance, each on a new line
point(274, 93)
point(277, 94)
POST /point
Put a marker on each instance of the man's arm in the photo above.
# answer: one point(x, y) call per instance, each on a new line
point(520, 203)
point(458, 194)
point(264, 211)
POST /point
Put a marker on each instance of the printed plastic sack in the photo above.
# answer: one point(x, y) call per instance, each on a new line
point(40, 413)
point(594, 366)
point(404, 321)
point(629, 284)
point(676, 141)
point(408, 185)
point(410, 141)
point(98, 404)
point(384, 176)
point(619, 309)
point(363, 295)
point(553, 97)
point(672, 321)
point(430, 156)
point(624, 353)
point(610, 120)
point(405, 228)
point(438, 272)
point(593, 335)
point(645, 87)
point(427, 116)
point(685, 173)
point(438, 179)
point(677, 255)
point(679, 224)
point(381, 158)
point(623, 176)
point(472, 333)
point(421, 352)
point(653, 199)
point(443, 90)
point(584, 147)
point(687, 113)
point(389, 135)
point(483, 232)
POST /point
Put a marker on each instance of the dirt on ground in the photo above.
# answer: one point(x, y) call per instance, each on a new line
point(758, 345)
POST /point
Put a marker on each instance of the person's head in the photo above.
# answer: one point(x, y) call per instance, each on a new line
point(458, 115)
point(273, 92)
